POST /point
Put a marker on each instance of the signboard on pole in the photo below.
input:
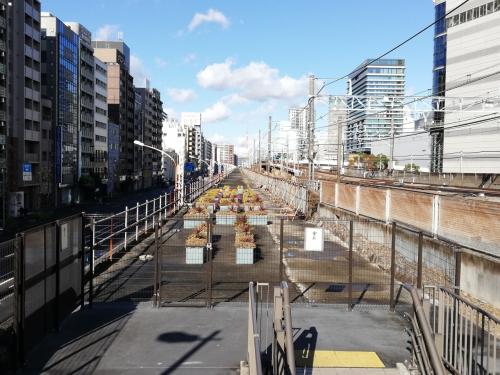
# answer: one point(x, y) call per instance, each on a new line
point(27, 172)
point(313, 239)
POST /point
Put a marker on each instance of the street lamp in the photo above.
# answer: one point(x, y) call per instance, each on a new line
point(179, 182)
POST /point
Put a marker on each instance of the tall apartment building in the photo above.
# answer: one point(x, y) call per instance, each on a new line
point(466, 56)
point(3, 110)
point(191, 123)
point(60, 83)
point(113, 175)
point(23, 62)
point(383, 78)
point(86, 91)
point(225, 154)
point(101, 120)
point(336, 132)
point(149, 114)
point(121, 100)
point(298, 118)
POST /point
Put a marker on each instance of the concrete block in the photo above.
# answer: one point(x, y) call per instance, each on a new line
point(244, 256)
point(195, 255)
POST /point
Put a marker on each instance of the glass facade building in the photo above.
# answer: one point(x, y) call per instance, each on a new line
point(369, 81)
point(60, 60)
point(438, 84)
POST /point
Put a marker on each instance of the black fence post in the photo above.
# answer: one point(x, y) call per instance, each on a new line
point(210, 264)
point(58, 275)
point(393, 266)
point(19, 300)
point(91, 271)
point(155, 278)
point(420, 260)
point(351, 261)
point(458, 270)
point(82, 265)
point(282, 266)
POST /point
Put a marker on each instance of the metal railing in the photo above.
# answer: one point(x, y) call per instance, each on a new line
point(467, 336)
point(7, 271)
point(283, 351)
point(424, 351)
point(253, 341)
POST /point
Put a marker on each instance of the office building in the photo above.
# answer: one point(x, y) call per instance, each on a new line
point(101, 120)
point(173, 141)
point(47, 162)
point(113, 159)
point(464, 68)
point(225, 154)
point(121, 101)
point(298, 118)
point(191, 123)
point(384, 78)
point(60, 83)
point(86, 68)
point(148, 128)
point(20, 70)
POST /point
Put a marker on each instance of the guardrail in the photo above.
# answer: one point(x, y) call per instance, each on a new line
point(115, 232)
point(253, 342)
point(292, 194)
point(424, 350)
point(467, 336)
point(283, 351)
point(7, 271)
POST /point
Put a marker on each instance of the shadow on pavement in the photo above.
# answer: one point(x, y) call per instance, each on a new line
point(80, 344)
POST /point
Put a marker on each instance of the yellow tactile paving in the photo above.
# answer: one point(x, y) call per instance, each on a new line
point(335, 358)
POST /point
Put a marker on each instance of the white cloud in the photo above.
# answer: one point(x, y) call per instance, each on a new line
point(211, 16)
point(255, 81)
point(161, 63)
point(138, 71)
point(181, 95)
point(215, 113)
point(108, 32)
point(218, 138)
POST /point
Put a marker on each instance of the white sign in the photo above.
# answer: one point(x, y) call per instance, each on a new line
point(313, 239)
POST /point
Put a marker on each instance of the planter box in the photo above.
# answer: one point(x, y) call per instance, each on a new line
point(193, 223)
point(225, 208)
point(245, 256)
point(225, 219)
point(211, 208)
point(195, 255)
point(257, 219)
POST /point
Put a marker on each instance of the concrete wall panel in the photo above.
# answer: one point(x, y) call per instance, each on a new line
point(471, 223)
point(372, 203)
point(412, 208)
point(347, 197)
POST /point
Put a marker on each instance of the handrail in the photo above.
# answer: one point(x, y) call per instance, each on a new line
point(471, 305)
point(290, 352)
point(253, 342)
point(426, 331)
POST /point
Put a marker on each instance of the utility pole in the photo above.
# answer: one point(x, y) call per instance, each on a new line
point(269, 147)
point(391, 157)
point(258, 157)
point(254, 156)
point(340, 152)
point(310, 129)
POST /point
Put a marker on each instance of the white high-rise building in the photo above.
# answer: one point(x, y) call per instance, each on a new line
point(173, 142)
point(467, 55)
point(285, 142)
point(298, 123)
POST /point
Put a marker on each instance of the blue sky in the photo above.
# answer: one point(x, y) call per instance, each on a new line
point(240, 61)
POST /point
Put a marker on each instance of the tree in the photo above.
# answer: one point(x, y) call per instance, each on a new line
point(381, 162)
point(412, 168)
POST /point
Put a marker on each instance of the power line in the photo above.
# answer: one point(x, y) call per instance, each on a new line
point(394, 48)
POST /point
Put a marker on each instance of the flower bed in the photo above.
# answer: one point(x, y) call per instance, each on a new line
point(244, 242)
point(195, 216)
point(256, 216)
point(196, 244)
point(227, 217)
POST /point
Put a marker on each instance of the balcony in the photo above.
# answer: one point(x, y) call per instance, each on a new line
point(3, 22)
point(32, 135)
point(3, 92)
point(32, 158)
point(2, 46)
